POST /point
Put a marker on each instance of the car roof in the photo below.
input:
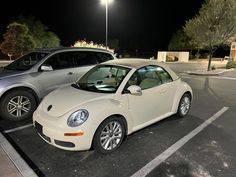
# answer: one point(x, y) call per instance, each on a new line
point(133, 62)
point(138, 63)
point(51, 50)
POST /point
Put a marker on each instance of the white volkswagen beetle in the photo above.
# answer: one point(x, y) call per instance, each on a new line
point(111, 100)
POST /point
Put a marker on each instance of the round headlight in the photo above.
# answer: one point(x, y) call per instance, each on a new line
point(77, 118)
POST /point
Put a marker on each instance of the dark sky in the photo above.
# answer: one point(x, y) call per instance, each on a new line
point(151, 21)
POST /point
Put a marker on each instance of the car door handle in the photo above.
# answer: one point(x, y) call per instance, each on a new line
point(70, 73)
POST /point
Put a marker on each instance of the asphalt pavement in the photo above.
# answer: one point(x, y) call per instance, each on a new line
point(173, 147)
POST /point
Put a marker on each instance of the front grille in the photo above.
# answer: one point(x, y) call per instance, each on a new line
point(39, 129)
point(64, 143)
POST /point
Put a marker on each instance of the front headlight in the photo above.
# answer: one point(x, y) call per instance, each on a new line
point(77, 118)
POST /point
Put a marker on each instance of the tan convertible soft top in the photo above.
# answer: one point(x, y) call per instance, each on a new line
point(138, 63)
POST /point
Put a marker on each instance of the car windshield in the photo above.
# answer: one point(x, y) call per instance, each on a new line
point(103, 78)
point(26, 62)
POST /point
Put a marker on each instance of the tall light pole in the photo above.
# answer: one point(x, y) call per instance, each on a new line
point(106, 2)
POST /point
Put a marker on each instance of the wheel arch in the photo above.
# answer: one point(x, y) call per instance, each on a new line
point(181, 91)
point(122, 118)
point(25, 88)
point(190, 94)
point(111, 116)
point(117, 116)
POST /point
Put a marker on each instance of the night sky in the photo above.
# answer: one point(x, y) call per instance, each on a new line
point(149, 23)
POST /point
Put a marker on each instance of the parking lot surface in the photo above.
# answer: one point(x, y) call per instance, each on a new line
point(210, 153)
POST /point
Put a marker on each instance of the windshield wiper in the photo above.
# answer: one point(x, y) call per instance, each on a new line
point(75, 85)
point(88, 87)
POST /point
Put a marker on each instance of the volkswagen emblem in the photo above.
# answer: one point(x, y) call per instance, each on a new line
point(49, 107)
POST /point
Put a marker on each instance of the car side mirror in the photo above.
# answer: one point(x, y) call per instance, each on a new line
point(46, 68)
point(134, 90)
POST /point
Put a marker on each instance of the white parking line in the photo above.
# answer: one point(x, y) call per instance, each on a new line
point(172, 149)
point(18, 128)
point(221, 77)
point(187, 76)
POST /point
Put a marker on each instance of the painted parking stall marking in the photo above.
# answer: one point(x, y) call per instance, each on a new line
point(18, 128)
point(172, 149)
point(226, 78)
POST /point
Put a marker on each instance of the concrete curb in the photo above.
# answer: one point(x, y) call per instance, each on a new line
point(208, 73)
point(16, 159)
point(4, 63)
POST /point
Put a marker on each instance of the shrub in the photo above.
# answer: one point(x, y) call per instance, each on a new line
point(230, 64)
point(213, 67)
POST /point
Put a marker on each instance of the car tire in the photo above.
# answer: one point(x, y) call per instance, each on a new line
point(109, 135)
point(17, 105)
point(184, 105)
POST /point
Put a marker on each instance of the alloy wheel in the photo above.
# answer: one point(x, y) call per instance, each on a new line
point(185, 105)
point(111, 135)
point(19, 106)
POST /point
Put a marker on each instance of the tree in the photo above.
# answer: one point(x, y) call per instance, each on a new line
point(180, 41)
point(17, 40)
point(49, 40)
point(42, 36)
point(214, 26)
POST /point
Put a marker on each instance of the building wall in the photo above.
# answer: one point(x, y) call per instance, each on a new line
point(173, 56)
point(233, 51)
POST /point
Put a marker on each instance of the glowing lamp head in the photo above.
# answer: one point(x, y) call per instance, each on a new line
point(106, 1)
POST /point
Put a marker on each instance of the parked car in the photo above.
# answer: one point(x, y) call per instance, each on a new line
point(25, 81)
point(110, 101)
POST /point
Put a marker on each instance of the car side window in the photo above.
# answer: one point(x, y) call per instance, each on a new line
point(83, 58)
point(148, 77)
point(71, 59)
point(133, 80)
point(65, 60)
point(52, 61)
point(102, 57)
point(60, 61)
point(76, 59)
point(164, 75)
point(145, 77)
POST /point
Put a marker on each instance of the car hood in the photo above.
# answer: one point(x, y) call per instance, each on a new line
point(9, 73)
point(68, 98)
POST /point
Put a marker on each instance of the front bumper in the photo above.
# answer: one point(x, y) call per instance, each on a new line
point(53, 133)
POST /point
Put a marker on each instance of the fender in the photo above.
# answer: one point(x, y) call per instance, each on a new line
point(101, 109)
point(182, 88)
point(19, 86)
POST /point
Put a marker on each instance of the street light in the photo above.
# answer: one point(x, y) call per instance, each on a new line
point(106, 2)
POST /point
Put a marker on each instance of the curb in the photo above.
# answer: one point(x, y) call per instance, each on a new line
point(4, 63)
point(16, 159)
point(207, 73)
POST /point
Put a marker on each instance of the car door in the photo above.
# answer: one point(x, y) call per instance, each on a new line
point(167, 89)
point(82, 62)
point(156, 98)
point(62, 73)
point(85, 60)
